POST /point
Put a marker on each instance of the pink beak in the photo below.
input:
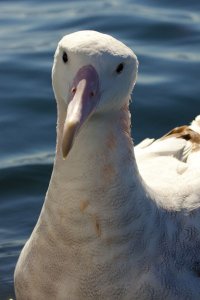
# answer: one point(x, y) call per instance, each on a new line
point(85, 95)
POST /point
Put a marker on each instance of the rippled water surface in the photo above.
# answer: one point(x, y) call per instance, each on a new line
point(165, 35)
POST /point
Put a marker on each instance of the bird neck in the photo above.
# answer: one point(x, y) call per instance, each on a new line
point(99, 181)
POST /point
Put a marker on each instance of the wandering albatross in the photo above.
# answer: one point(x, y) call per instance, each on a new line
point(117, 222)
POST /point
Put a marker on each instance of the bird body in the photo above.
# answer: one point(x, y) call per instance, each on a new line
point(115, 224)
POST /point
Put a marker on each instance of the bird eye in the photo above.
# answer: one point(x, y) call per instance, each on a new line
point(120, 68)
point(65, 57)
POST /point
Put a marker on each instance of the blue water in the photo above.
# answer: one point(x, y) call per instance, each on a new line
point(165, 35)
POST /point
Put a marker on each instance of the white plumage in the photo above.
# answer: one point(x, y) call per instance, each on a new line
point(114, 225)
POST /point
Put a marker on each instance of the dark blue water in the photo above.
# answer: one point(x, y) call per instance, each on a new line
point(165, 35)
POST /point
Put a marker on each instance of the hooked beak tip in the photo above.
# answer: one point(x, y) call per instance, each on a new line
point(69, 134)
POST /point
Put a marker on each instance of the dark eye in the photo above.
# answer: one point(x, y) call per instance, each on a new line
point(65, 57)
point(120, 68)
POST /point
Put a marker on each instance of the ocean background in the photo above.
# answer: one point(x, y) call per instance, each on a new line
point(165, 35)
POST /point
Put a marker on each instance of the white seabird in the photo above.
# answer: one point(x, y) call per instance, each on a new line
point(112, 226)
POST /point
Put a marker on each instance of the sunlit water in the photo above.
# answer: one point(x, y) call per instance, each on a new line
point(166, 39)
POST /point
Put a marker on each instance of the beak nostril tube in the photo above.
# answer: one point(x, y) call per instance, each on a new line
point(73, 90)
